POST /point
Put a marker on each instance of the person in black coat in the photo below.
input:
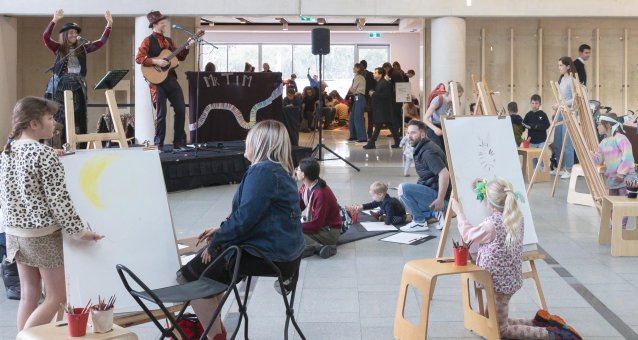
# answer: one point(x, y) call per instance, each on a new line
point(381, 108)
point(391, 211)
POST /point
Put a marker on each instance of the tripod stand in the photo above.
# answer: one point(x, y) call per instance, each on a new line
point(320, 145)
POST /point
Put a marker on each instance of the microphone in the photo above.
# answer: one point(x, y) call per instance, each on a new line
point(80, 38)
point(178, 27)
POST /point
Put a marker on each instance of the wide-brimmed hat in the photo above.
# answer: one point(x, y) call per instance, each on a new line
point(70, 25)
point(153, 17)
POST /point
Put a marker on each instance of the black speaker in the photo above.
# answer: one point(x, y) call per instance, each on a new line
point(320, 41)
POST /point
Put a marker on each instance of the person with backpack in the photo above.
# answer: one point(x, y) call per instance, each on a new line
point(321, 214)
point(439, 104)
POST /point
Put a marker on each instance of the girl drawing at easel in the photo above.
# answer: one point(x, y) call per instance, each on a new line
point(500, 249)
point(37, 208)
point(616, 153)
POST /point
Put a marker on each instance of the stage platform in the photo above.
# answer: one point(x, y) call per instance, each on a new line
point(218, 163)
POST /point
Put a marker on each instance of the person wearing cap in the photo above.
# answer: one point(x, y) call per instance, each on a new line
point(170, 89)
point(69, 69)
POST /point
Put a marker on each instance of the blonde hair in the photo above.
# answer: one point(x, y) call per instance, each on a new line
point(379, 188)
point(25, 111)
point(501, 196)
point(269, 140)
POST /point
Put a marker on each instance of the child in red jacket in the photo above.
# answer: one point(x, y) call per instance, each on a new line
point(321, 213)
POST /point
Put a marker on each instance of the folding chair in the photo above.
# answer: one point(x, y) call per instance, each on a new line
point(203, 287)
point(286, 285)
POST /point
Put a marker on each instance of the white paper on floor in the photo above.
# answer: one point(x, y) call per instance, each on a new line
point(405, 238)
point(377, 226)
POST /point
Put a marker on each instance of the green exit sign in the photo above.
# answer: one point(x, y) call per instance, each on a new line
point(308, 19)
point(375, 35)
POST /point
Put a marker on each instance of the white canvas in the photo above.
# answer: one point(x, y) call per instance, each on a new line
point(121, 194)
point(484, 147)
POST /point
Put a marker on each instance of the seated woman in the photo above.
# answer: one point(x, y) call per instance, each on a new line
point(322, 218)
point(265, 215)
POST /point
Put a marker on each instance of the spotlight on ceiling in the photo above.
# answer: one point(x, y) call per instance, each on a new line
point(321, 21)
point(285, 26)
point(242, 20)
point(361, 22)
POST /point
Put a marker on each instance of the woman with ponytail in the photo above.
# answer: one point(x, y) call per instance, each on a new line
point(37, 210)
point(500, 249)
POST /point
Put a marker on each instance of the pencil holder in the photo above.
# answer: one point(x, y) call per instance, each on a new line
point(102, 320)
point(460, 256)
point(77, 322)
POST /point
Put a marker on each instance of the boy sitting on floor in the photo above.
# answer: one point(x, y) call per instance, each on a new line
point(391, 211)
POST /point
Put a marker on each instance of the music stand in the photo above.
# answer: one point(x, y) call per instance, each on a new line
point(110, 79)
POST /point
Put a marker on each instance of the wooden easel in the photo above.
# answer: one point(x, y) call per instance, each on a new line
point(93, 140)
point(478, 109)
point(585, 125)
point(528, 256)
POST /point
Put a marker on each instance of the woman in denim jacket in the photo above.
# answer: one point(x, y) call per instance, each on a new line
point(265, 215)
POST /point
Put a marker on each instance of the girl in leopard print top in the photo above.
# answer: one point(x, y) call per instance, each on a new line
point(500, 249)
point(36, 208)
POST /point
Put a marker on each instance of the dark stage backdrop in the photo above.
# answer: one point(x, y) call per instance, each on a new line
point(231, 103)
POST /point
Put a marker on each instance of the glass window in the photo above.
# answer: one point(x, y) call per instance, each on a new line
point(302, 60)
point(217, 56)
point(239, 55)
point(279, 57)
point(337, 68)
point(375, 56)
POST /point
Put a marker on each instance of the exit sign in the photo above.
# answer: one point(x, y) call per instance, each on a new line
point(308, 19)
point(375, 35)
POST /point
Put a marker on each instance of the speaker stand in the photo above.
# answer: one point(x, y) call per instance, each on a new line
point(320, 146)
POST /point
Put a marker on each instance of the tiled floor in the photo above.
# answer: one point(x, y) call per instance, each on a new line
point(353, 295)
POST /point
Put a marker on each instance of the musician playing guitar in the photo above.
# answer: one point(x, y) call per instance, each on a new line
point(147, 56)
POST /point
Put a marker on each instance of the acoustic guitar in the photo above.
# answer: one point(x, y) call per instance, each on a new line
point(156, 74)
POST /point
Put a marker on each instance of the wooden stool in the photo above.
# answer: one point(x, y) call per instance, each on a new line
point(529, 155)
point(422, 275)
point(60, 330)
point(573, 196)
point(623, 242)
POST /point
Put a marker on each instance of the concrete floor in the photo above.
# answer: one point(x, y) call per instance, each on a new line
point(353, 295)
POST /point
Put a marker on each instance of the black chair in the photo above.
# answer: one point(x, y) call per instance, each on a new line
point(286, 285)
point(203, 287)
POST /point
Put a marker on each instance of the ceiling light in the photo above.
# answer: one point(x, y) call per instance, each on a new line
point(285, 26)
point(469, 3)
point(242, 20)
point(321, 21)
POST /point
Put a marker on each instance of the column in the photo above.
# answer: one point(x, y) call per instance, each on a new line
point(447, 61)
point(8, 70)
point(144, 114)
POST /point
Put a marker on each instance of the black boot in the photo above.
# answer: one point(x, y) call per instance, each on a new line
point(370, 145)
point(11, 279)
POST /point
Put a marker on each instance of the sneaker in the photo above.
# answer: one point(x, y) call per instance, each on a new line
point(287, 286)
point(415, 226)
point(565, 174)
point(562, 334)
point(327, 251)
point(553, 172)
point(308, 251)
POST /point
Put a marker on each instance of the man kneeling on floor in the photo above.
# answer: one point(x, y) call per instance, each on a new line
point(427, 199)
point(321, 222)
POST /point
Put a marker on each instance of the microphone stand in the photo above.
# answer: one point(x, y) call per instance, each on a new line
point(66, 56)
point(200, 41)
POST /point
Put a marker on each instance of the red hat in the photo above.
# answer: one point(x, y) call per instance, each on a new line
point(153, 17)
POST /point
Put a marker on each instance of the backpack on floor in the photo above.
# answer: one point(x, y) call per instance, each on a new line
point(346, 219)
point(438, 91)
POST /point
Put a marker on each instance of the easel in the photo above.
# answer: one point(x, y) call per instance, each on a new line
point(528, 256)
point(94, 140)
point(587, 129)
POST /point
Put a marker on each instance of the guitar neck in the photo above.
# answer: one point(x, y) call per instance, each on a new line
point(176, 52)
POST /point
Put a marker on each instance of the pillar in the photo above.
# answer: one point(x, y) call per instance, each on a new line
point(8, 70)
point(144, 120)
point(447, 61)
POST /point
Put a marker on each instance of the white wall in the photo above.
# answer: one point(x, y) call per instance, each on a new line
point(358, 8)
point(8, 62)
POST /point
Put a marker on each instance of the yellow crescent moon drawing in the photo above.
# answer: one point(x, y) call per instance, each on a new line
point(89, 176)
